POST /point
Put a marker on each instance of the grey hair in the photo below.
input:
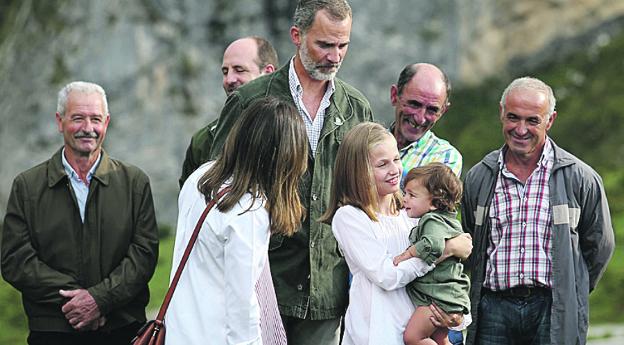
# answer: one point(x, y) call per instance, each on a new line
point(306, 11)
point(531, 84)
point(410, 71)
point(82, 87)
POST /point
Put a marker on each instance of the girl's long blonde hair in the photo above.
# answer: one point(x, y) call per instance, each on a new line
point(354, 182)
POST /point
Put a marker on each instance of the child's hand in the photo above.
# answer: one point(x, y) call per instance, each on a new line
point(402, 257)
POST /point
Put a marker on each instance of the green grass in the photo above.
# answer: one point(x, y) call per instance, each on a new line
point(607, 300)
point(12, 319)
point(160, 281)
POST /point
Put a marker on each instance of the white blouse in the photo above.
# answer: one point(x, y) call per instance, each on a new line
point(215, 301)
point(379, 307)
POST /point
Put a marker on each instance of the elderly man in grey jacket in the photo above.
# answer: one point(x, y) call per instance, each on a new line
point(541, 226)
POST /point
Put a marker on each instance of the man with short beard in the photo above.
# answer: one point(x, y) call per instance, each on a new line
point(309, 274)
point(80, 240)
point(420, 98)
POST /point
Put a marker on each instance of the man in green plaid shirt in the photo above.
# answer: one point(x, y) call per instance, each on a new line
point(420, 98)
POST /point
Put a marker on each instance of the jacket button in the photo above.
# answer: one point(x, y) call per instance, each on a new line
point(314, 197)
point(299, 287)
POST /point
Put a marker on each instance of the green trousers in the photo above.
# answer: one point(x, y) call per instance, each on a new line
point(311, 332)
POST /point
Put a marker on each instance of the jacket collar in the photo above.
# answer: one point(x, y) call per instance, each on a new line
point(56, 171)
point(340, 108)
point(562, 157)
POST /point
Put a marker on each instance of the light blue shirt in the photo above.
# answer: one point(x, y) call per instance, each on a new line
point(80, 188)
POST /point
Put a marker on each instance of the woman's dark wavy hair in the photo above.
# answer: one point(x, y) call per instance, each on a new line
point(265, 154)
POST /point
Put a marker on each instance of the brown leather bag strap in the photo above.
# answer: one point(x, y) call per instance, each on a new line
point(187, 251)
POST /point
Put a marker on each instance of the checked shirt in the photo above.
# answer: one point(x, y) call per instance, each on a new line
point(519, 252)
point(430, 149)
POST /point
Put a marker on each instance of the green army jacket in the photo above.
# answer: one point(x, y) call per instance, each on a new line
point(46, 247)
point(447, 285)
point(309, 273)
point(198, 151)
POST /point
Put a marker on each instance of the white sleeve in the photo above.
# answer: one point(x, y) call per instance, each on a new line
point(354, 232)
point(191, 204)
point(246, 245)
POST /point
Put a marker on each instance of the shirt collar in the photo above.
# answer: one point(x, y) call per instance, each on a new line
point(420, 142)
point(545, 158)
point(72, 173)
point(292, 76)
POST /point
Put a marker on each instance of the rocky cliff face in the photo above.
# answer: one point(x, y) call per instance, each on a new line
point(159, 62)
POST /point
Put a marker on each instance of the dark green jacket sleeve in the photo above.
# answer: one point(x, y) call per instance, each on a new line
point(229, 114)
point(136, 269)
point(189, 165)
point(21, 266)
point(198, 151)
point(430, 244)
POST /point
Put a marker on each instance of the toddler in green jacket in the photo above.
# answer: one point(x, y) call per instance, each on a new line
point(431, 194)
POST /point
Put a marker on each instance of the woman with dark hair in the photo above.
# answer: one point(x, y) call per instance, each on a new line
point(263, 159)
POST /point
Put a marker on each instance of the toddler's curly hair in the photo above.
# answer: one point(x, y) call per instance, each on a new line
point(440, 181)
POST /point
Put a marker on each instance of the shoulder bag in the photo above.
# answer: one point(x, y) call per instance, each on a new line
point(153, 332)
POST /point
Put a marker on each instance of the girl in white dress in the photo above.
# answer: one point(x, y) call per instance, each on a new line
point(263, 159)
point(371, 228)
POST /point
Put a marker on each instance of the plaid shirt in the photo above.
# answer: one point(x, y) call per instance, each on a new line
point(313, 127)
point(428, 149)
point(519, 250)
